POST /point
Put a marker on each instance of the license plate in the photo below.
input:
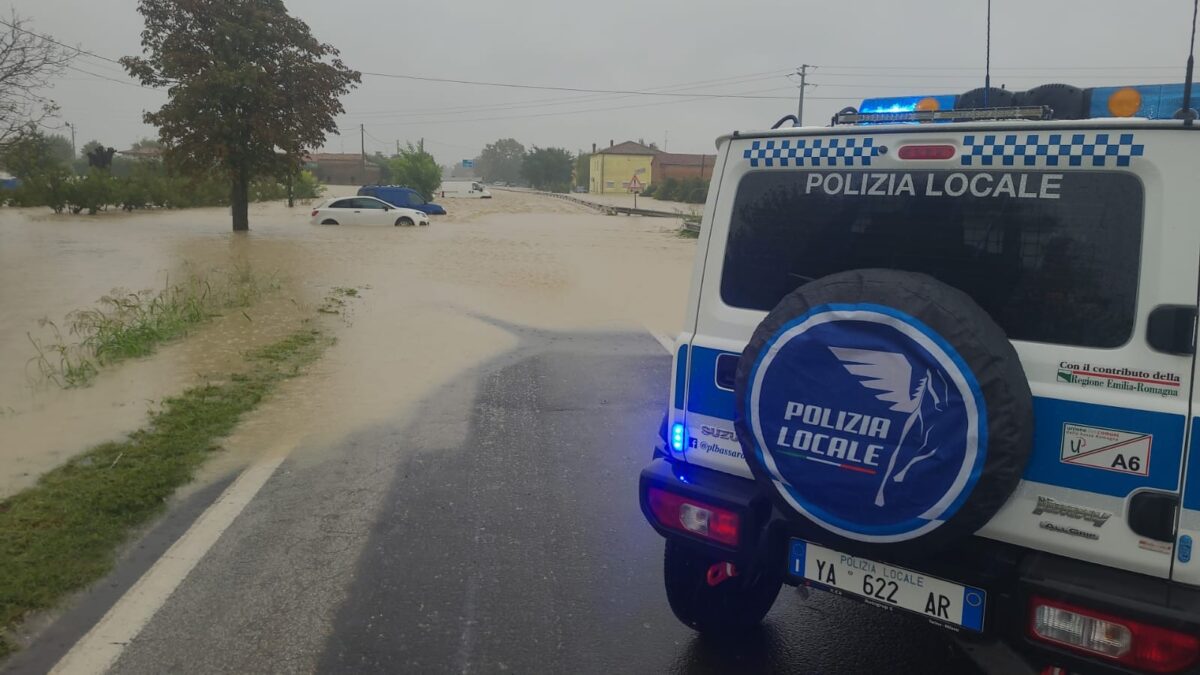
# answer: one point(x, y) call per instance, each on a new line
point(887, 585)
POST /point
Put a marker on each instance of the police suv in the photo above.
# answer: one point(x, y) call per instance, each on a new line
point(939, 357)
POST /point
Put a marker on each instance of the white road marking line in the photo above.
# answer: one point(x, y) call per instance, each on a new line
point(97, 651)
point(666, 343)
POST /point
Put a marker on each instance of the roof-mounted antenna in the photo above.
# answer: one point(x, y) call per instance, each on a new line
point(1186, 113)
point(987, 67)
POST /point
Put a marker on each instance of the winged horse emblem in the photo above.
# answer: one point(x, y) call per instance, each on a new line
point(891, 374)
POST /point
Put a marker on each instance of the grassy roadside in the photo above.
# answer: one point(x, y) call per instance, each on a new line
point(61, 534)
point(126, 324)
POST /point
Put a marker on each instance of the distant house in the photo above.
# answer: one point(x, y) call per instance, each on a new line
point(341, 169)
point(142, 152)
point(612, 168)
point(680, 166)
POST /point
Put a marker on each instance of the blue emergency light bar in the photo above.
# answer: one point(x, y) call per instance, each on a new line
point(903, 104)
point(1060, 101)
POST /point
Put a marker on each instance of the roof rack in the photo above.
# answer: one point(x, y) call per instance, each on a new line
point(1029, 112)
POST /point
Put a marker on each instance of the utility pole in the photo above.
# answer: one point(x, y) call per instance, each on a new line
point(72, 140)
point(362, 139)
point(802, 71)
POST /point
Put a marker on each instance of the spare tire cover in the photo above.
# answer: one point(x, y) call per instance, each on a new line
point(885, 408)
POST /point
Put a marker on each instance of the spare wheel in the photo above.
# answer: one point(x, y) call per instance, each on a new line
point(883, 410)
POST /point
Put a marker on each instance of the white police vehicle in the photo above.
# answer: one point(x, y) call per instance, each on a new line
point(939, 356)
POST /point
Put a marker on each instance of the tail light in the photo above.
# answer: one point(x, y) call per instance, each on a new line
point(1114, 638)
point(926, 151)
point(694, 517)
point(315, 212)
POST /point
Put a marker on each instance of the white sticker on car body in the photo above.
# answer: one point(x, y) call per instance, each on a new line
point(1106, 449)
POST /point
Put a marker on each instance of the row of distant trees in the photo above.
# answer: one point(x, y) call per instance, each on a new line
point(50, 175)
point(30, 149)
point(555, 169)
point(245, 114)
point(508, 161)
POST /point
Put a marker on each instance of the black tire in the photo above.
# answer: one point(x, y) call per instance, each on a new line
point(921, 363)
point(734, 606)
point(404, 221)
point(329, 221)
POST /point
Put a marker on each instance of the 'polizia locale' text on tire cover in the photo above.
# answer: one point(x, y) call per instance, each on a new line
point(938, 356)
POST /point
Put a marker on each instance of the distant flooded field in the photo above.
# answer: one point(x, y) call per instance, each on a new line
point(427, 304)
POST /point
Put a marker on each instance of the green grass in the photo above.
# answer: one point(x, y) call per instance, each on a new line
point(692, 218)
point(334, 302)
point(127, 324)
point(61, 534)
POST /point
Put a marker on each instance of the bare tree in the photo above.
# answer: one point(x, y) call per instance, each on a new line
point(28, 61)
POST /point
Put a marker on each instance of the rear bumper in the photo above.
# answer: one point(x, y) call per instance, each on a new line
point(1011, 575)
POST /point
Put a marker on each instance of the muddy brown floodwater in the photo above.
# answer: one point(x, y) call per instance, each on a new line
point(426, 298)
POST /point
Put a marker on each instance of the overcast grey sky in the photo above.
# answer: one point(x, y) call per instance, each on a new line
point(862, 48)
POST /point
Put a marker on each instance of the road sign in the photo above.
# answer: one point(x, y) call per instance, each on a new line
point(468, 164)
point(635, 185)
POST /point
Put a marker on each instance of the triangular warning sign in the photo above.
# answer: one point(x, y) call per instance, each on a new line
point(635, 185)
point(1107, 449)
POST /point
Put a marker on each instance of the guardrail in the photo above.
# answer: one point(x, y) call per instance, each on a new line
point(608, 209)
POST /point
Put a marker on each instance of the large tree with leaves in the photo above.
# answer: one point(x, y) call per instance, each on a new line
point(501, 161)
point(548, 169)
point(249, 89)
point(416, 169)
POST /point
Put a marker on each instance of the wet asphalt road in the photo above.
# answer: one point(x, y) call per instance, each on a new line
point(498, 533)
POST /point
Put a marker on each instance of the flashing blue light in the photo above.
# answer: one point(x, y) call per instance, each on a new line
point(903, 104)
point(677, 437)
point(1159, 101)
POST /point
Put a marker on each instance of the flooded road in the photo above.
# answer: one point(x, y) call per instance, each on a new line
point(451, 488)
point(416, 321)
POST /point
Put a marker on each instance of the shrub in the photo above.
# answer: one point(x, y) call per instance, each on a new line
point(669, 191)
point(147, 183)
point(307, 186)
point(93, 192)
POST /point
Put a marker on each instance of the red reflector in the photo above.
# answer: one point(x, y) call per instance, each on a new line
point(315, 212)
point(926, 151)
point(1151, 648)
point(694, 517)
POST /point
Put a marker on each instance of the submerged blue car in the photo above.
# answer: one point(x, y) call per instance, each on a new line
point(403, 197)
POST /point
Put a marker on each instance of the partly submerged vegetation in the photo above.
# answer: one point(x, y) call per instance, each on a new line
point(61, 534)
point(127, 324)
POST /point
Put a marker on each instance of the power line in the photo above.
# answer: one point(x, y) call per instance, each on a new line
point(110, 79)
point(579, 112)
point(974, 69)
point(560, 100)
point(47, 38)
point(465, 110)
point(511, 85)
point(372, 137)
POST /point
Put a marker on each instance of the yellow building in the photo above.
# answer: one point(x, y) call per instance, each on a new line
point(613, 167)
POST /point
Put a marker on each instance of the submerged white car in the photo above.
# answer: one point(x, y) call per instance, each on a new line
point(365, 211)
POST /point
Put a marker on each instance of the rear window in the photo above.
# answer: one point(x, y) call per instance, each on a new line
point(1053, 257)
